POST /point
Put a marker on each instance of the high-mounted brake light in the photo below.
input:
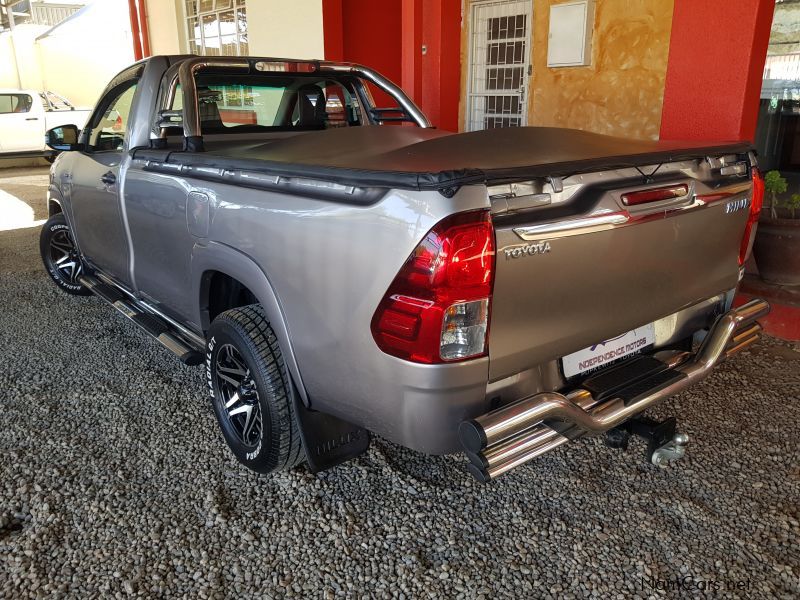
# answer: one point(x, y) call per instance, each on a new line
point(437, 308)
point(756, 203)
point(654, 195)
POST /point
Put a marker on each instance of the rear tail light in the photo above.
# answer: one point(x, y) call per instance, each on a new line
point(756, 203)
point(437, 308)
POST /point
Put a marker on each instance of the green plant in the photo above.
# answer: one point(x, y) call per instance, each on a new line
point(792, 203)
point(775, 184)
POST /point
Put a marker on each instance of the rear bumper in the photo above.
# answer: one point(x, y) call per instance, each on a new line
point(501, 440)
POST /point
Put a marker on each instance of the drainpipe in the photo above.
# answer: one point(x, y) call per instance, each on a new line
point(10, 13)
point(144, 27)
point(134, 17)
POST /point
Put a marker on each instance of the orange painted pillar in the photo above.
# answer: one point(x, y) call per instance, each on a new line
point(145, 28)
point(134, 17)
point(714, 71)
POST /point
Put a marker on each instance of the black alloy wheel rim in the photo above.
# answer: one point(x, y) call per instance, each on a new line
point(65, 257)
point(238, 396)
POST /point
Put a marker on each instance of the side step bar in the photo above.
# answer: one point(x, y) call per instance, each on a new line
point(503, 439)
point(154, 325)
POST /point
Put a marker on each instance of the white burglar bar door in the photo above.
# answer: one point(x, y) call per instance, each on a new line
point(498, 66)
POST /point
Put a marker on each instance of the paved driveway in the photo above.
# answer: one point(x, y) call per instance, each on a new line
point(114, 481)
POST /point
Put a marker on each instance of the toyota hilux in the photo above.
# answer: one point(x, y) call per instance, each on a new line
point(341, 268)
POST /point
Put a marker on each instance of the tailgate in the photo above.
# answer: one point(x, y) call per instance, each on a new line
point(585, 264)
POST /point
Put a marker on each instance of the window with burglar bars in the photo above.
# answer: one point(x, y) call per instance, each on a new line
point(499, 64)
point(217, 27)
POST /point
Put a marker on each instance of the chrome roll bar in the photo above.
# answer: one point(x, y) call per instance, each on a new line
point(184, 74)
point(186, 77)
point(384, 84)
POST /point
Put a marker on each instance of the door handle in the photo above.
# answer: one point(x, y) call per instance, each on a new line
point(109, 178)
point(32, 119)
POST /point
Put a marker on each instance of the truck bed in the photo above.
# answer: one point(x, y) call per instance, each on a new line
point(425, 159)
point(558, 288)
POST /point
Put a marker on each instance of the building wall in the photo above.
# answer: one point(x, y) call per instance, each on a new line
point(8, 74)
point(414, 43)
point(441, 89)
point(373, 38)
point(275, 28)
point(75, 59)
point(19, 59)
point(166, 27)
point(620, 92)
point(715, 73)
point(368, 37)
point(80, 57)
point(27, 55)
point(286, 29)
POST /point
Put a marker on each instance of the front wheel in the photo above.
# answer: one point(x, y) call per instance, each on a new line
point(251, 391)
point(61, 257)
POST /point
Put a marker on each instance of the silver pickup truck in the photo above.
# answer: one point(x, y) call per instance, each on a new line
point(343, 268)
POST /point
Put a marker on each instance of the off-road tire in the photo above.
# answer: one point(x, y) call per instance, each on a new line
point(57, 247)
point(245, 331)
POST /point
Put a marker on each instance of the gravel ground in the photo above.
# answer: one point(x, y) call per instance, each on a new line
point(114, 481)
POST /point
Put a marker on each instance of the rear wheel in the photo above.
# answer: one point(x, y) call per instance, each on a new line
point(61, 256)
point(250, 391)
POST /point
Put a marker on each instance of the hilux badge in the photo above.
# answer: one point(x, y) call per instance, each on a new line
point(737, 205)
point(528, 250)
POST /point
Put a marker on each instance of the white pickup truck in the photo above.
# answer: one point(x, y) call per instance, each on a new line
point(26, 114)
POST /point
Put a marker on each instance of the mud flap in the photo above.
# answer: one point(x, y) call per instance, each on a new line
point(327, 440)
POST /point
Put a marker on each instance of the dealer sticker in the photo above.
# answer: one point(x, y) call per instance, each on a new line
point(603, 354)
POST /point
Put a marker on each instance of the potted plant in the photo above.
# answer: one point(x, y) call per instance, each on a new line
point(777, 245)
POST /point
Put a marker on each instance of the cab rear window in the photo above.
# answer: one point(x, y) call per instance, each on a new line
point(265, 103)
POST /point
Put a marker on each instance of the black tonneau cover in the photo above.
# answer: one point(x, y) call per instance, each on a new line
point(416, 158)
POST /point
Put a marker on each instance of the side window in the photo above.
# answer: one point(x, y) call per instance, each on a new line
point(15, 103)
point(108, 133)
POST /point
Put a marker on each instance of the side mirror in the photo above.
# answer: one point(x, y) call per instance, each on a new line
point(63, 138)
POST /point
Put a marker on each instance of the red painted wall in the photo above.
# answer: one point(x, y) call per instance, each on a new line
point(333, 29)
point(410, 25)
point(360, 31)
point(441, 63)
point(716, 61)
point(372, 34)
point(388, 36)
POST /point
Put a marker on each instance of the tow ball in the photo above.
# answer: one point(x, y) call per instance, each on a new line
point(664, 443)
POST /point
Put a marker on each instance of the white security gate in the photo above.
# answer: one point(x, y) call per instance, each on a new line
point(499, 63)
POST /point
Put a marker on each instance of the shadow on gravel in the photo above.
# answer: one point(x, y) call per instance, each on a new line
point(11, 527)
